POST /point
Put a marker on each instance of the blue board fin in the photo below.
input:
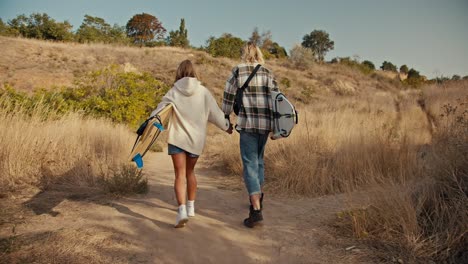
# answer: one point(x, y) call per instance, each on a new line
point(138, 159)
point(159, 126)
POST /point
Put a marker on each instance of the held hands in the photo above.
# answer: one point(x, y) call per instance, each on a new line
point(229, 131)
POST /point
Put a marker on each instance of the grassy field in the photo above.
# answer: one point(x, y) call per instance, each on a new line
point(404, 150)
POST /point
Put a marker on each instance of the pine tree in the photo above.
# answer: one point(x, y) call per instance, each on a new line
point(179, 38)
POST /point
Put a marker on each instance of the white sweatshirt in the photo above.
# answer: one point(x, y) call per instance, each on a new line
point(194, 106)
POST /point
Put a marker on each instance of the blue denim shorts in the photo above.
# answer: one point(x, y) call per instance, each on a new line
point(171, 150)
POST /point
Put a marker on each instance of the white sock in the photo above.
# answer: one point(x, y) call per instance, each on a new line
point(191, 208)
point(181, 216)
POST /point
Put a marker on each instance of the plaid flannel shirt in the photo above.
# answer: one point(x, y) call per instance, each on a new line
point(256, 111)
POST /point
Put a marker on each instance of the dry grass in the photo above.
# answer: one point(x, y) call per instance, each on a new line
point(338, 146)
point(43, 148)
point(29, 64)
point(407, 151)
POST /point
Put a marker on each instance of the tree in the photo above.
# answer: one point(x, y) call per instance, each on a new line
point(414, 78)
point(179, 37)
point(143, 28)
point(388, 66)
point(301, 57)
point(41, 26)
point(225, 46)
point(404, 69)
point(117, 34)
point(4, 28)
point(278, 51)
point(319, 42)
point(456, 77)
point(256, 38)
point(93, 29)
point(412, 73)
point(465, 77)
point(369, 64)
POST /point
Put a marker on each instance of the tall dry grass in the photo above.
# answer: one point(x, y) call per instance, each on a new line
point(41, 147)
point(338, 146)
point(406, 152)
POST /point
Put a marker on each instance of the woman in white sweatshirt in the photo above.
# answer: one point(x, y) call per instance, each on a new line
point(194, 107)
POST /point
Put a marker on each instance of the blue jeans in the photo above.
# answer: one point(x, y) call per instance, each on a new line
point(252, 148)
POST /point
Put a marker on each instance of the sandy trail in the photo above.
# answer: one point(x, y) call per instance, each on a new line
point(140, 229)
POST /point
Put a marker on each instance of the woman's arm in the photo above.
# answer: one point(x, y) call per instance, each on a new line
point(215, 114)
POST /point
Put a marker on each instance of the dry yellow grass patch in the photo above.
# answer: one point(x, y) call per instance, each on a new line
point(43, 147)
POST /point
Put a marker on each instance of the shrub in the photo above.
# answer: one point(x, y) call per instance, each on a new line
point(302, 58)
point(414, 79)
point(365, 67)
point(225, 46)
point(404, 69)
point(124, 97)
point(128, 179)
point(388, 66)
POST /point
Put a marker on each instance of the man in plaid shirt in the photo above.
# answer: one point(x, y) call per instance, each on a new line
point(254, 123)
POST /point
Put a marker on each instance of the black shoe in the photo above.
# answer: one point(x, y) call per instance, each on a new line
point(261, 202)
point(255, 217)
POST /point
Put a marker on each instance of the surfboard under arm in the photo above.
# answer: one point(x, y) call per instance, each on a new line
point(150, 134)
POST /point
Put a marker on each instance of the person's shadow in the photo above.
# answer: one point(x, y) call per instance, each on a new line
point(54, 189)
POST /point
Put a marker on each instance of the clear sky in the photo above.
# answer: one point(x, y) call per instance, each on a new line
point(429, 35)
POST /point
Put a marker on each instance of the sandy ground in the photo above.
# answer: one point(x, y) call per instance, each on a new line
point(139, 229)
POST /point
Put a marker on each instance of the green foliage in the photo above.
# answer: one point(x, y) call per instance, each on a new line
point(95, 29)
point(5, 30)
point(269, 48)
point(319, 42)
point(225, 46)
point(127, 180)
point(414, 78)
point(365, 67)
point(41, 26)
point(143, 28)
point(179, 38)
point(388, 66)
point(456, 77)
point(368, 64)
point(404, 69)
point(122, 97)
point(465, 77)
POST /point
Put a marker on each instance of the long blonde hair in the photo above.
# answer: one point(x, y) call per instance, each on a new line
point(185, 69)
point(251, 53)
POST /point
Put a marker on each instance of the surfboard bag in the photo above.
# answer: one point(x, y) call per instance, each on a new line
point(284, 115)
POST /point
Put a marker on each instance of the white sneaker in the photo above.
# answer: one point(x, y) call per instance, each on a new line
point(181, 218)
point(191, 208)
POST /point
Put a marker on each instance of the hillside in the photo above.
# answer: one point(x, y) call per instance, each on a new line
point(28, 64)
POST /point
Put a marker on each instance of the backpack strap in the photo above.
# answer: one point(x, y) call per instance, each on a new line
point(250, 77)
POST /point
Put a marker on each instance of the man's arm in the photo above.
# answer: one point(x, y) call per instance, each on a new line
point(230, 92)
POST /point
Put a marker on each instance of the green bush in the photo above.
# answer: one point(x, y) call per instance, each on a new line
point(225, 46)
point(124, 97)
point(366, 67)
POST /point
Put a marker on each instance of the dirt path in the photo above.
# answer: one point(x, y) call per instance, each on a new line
point(140, 229)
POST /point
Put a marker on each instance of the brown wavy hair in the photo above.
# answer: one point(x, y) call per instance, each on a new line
point(185, 69)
